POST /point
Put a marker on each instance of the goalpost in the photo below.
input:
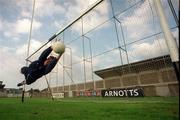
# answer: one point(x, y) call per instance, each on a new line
point(170, 41)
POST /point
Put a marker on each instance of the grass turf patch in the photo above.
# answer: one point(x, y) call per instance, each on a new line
point(142, 108)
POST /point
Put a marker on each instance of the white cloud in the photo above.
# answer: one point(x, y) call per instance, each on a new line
point(146, 50)
point(25, 7)
point(34, 45)
point(75, 8)
point(94, 18)
point(48, 8)
point(139, 16)
point(43, 9)
point(58, 24)
point(10, 66)
point(21, 26)
point(138, 22)
point(25, 13)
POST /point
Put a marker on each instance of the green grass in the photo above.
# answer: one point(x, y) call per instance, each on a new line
point(147, 108)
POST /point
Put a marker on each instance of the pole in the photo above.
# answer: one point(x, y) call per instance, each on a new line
point(173, 12)
point(170, 41)
point(29, 42)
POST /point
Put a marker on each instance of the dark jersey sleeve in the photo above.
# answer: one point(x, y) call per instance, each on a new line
point(45, 54)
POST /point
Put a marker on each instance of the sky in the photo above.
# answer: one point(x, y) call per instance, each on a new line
point(52, 15)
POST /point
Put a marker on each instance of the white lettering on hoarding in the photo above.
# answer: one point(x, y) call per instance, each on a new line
point(121, 93)
point(106, 93)
point(136, 92)
point(115, 93)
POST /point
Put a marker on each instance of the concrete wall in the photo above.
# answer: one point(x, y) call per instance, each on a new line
point(160, 82)
point(2, 94)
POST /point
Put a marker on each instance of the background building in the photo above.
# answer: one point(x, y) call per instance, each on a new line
point(156, 77)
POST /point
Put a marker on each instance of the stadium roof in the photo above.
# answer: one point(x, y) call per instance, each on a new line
point(136, 67)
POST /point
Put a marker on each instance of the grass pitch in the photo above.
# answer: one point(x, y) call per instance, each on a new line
point(144, 108)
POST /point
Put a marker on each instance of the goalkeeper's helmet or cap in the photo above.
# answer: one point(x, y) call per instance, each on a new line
point(24, 70)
